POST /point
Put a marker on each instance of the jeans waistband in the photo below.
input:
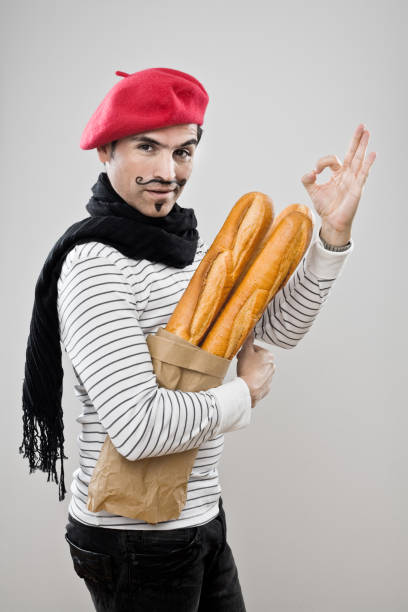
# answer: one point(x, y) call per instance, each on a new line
point(111, 533)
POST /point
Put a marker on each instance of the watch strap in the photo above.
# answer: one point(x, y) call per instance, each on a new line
point(331, 247)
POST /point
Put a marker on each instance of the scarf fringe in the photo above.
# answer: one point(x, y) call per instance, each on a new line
point(43, 446)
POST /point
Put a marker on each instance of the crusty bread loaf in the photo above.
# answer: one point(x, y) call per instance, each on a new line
point(243, 230)
point(301, 208)
point(281, 252)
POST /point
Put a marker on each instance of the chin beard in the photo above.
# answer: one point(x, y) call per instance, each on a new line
point(158, 206)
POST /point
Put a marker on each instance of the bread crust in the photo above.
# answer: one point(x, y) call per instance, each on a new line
point(235, 244)
point(280, 254)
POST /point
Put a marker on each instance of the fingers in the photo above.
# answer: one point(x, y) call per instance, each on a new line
point(271, 374)
point(268, 357)
point(362, 175)
point(266, 387)
point(353, 145)
point(309, 179)
point(265, 353)
point(353, 159)
point(328, 160)
point(358, 158)
point(266, 364)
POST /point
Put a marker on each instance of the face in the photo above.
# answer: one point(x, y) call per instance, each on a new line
point(149, 170)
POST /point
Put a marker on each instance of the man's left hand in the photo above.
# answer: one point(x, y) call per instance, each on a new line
point(337, 200)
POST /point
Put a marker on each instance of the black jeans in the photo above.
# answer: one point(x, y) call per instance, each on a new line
point(190, 569)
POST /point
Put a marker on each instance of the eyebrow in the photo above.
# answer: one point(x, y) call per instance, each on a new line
point(156, 142)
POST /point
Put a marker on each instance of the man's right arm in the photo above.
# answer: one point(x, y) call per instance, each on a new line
point(100, 330)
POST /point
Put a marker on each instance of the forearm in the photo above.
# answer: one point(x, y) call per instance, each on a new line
point(291, 313)
point(106, 345)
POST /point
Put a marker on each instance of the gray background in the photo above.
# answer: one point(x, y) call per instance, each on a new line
point(315, 488)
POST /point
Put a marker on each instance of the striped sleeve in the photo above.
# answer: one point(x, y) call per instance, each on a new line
point(292, 311)
point(100, 331)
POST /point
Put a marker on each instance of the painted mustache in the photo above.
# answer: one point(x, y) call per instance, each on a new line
point(139, 181)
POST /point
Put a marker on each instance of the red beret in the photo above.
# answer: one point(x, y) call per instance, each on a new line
point(145, 100)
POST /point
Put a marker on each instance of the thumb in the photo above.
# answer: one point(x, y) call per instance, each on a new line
point(249, 342)
point(309, 181)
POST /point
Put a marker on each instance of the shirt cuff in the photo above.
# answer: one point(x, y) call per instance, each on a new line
point(325, 264)
point(234, 404)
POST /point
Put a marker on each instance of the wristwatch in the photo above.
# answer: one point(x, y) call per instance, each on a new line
point(331, 247)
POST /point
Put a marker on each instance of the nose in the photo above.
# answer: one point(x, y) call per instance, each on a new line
point(165, 167)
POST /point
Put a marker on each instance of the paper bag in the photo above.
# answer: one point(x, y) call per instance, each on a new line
point(155, 489)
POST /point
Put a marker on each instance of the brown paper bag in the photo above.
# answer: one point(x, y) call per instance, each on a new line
point(155, 489)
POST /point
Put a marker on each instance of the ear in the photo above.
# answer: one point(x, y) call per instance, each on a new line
point(104, 153)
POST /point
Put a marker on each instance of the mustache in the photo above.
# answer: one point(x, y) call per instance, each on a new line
point(139, 181)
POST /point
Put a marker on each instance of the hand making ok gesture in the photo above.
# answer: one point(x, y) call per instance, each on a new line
point(337, 200)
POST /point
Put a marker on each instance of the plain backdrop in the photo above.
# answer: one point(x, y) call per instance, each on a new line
point(315, 488)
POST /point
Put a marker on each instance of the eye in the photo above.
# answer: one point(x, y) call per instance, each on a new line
point(143, 145)
point(180, 151)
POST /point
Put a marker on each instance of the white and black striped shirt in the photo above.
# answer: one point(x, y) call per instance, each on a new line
point(107, 305)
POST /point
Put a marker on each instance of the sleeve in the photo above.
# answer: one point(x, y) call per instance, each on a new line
point(101, 334)
point(236, 393)
point(292, 311)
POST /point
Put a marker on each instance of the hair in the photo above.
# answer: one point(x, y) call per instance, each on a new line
point(199, 134)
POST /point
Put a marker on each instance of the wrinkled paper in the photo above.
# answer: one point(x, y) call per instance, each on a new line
point(155, 489)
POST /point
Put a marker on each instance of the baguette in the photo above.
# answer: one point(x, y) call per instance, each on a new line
point(279, 256)
point(234, 245)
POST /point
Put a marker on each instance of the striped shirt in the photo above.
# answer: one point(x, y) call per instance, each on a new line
point(107, 305)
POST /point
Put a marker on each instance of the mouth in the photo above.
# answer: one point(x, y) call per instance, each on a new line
point(160, 192)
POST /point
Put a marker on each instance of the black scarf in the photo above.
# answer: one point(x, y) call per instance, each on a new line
point(171, 240)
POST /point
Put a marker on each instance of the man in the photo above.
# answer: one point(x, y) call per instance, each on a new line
point(119, 279)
